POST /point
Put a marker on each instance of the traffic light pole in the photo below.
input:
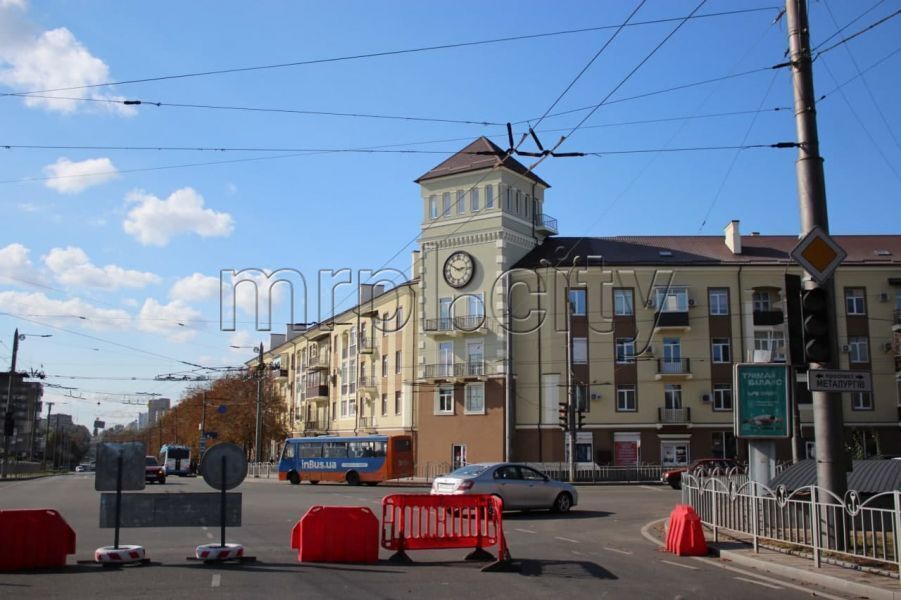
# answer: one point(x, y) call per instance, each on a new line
point(827, 407)
point(9, 422)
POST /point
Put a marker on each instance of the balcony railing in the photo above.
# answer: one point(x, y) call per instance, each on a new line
point(366, 345)
point(442, 324)
point(317, 362)
point(469, 322)
point(475, 368)
point(368, 423)
point(676, 366)
point(673, 415)
point(368, 381)
point(768, 317)
point(672, 319)
point(315, 425)
point(316, 391)
point(546, 221)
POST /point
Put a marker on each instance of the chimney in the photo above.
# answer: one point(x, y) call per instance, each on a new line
point(414, 264)
point(365, 292)
point(733, 237)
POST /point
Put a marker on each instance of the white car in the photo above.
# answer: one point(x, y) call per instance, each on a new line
point(519, 486)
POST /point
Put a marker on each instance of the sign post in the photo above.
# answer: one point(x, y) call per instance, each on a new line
point(762, 414)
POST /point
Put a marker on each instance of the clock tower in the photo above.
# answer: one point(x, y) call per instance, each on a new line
point(481, 213)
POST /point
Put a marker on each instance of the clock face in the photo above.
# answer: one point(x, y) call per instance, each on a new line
point(458, 269)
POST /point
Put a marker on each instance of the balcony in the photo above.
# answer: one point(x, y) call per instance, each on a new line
point(470, 323)
point(545, 223)
point(280, 374)
point(369, 424)
point(366, 345)
point(317, 393)
point(768, 317)
point(672, 320)
point(315, 426)
point(673, 416)
point(455, 325)
point(678, 368)
point(440, 372)
point(368, 384)
point(317, 362)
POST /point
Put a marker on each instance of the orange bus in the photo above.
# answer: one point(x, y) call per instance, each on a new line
point(366, 459)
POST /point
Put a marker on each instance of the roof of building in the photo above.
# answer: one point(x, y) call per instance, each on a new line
point(703, 250)
point(480, 154)
point(866, 477)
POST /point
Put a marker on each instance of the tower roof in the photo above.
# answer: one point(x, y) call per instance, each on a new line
point(480, 154)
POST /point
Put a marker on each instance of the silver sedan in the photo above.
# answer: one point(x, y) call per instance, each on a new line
point(519, 486)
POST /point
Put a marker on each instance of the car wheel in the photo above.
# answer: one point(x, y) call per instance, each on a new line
point(676, 485)
point(162, 482)
point(352, 478)
point(293, 477)
point(562, 503)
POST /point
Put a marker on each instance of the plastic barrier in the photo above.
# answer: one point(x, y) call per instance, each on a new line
point(427, 522)
point(339, 534)
point(34, 539)
point(685, 536)
point(121, 555)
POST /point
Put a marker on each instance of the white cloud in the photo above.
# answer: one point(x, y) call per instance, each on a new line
point(74, 177)
point(195, 287)
point(15, 264)
point(64, 311)
point(176, 320)
point(153, 222)
point(71, 266)
point(20, 4)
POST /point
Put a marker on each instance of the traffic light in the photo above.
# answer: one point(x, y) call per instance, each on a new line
point(815, 312)
point(564, 416)
point(580, 420)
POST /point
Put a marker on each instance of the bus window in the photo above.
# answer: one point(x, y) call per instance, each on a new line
point(288, 451)
point(403, 444)
point(310, 451)
point(334, 450)
point(378, 449)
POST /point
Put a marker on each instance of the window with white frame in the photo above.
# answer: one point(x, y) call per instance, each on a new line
point(489, 196)
point(577, 303)
point(475, 305)
point(474, 199)
point(861, 401)
point(445, 203)
point(433, 207)
point(671, 299)
point(580, 351)
point(623, 303)
point(855, 303)
point(475, 398)
point(625, 350)
point(718, 300)
point(626, 399)
point(444, 400)
point(352, 406)
point(859, 349)
point(722, 396)
point(461, 202)
point(761, 301)
point(672, 396)
point(721, 350)
point(772, 341)
point(580, 397)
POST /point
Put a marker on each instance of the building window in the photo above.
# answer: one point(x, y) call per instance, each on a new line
point(577, 303)
point(384, 404)
point(518, 203)
point(489, 196)
point(625, 350)
point(475, 306)
point(722, 396)
point(623, 305)
point(461, 202)
point(385, 365)
point(761, 301)
point(861, 401)
point(474, 199)
point(433, 207)
point(527, 203)
point(721, 350)
point(859, 349)
point(671, 299)
point(509, 199)
point(444, 400)
point(399, 319)
point(772, 342)
point(580, 397)
point(398, 403)
point(854, 301)
point(445, 204)
point(397, 362)
point(580, 351)
point(719, 301)
point(625, 398)
point(672, 396)
point(475, 399)
point(385, 321)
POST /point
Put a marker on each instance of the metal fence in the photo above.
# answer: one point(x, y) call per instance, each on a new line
point(866, 531)
point(593, 473)
point(262, 470)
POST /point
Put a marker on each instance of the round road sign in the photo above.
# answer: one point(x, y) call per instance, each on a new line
point(224, 466)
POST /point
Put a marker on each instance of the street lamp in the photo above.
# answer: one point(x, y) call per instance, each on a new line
point(259, 423)
point(9, 420)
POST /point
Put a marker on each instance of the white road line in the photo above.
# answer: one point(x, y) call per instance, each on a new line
point(577, 553)
point(652, 488)
point(617, 550)
point(525, 530)
point(204, 527)
point(209, 535)
point(675, 564)
point(716, 563)
point(567, 539)
point(764, 584)
point(217, 579)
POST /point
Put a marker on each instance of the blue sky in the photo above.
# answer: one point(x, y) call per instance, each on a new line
point(133, 249)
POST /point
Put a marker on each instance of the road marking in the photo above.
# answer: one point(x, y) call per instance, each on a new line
point(217, 579)
point(526, 530)
point(567, 540)
point(646, 534)
point(204, 527)
point(617, 550)
point(754, 581)
point(209, 535)
point(652, 488)
point(716, 563)
point(675, 564)
point(577, 553)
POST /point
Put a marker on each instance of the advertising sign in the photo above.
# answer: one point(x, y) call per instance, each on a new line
point(762, 409)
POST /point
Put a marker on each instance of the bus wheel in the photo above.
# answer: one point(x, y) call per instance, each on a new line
point(294, 478)
point(373, 483)
point(353, 478)
point(314, 481)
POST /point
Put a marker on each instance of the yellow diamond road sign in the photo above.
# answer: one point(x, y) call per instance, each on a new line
point(819, 254)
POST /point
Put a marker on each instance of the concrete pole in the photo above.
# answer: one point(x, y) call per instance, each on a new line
point(827, 407)
point(259, 424)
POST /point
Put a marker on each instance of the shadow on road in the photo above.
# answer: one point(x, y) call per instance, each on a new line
point(565, 569)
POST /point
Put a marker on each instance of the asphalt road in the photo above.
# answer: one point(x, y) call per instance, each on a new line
point(596, 551)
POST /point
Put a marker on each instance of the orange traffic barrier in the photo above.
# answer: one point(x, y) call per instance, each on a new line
point(427, 522)
point(34, 539)
point(339, 534)
point(685, 535)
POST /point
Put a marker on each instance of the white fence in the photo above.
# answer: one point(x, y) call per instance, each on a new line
point(865, 532)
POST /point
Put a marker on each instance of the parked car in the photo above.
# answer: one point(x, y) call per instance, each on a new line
point(153, 472)
point(703, 465)
point(81, 468)
point(519, 486)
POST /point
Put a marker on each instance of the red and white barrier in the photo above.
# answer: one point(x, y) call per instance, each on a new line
point(216, 552)
point(122, 555)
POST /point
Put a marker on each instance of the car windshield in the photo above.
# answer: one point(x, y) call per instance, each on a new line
point(468, 471)
point(151, 462)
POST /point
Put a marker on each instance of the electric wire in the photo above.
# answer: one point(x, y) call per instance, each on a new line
point(856, 34)
point(846, 25)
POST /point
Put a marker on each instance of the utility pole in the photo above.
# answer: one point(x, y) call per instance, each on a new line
point(46, 437)
point(259, 424)
point(202, 444)
point(175, 421)
point(9, 422)
point(827, 407)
